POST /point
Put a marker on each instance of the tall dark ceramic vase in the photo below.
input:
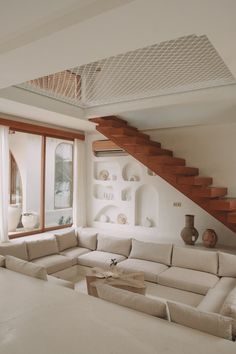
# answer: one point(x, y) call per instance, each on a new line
point(189, 234)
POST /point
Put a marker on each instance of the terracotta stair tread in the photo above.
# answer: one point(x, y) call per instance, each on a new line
point(224, 204)
point(124, 131)
point(131, 140)
point(195, 180)
point(175, 170)
point(166, 160)
point(150, 150)
point(209, 192)
point(231, 218)
point(103, 120)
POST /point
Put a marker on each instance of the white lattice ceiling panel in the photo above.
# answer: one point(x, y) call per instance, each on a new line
point(184, 64)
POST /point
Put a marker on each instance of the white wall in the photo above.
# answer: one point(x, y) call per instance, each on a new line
point(211, 148)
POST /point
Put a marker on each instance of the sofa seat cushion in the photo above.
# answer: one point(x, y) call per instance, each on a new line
point(150, 251)
point(214, 299)
point(150, 269)
point(42, 248)
point(60, 282)
point(201, 260)
point(18, 250)
point(74, 252)
point(54, 263)
point(66, 239)
point(99, 259)
point(117, 245)
point(188, 279)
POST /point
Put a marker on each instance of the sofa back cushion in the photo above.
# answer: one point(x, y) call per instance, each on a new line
point(155, 252)
point(115, 245)
point(2, 261)
point(208, 322)
point(18, 250)
point(87, 240)
point(154, 307)
point(204, 261)
point(66, 239)
point(42, 248)
point(20, 266)
point(227, 265)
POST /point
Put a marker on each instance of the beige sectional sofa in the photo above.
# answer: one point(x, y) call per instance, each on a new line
point(210, 274)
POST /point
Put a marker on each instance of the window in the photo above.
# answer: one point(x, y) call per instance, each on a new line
point(24, 212)
point(59, 182)
point(40, 183)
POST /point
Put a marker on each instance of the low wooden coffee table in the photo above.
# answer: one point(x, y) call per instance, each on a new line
point(128, 281)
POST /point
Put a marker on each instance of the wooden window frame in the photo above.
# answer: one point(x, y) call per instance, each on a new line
point(44, 132)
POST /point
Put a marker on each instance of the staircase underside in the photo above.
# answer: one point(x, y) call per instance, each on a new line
point(172, 169)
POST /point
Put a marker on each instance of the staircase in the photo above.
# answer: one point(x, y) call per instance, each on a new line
point(172, 169)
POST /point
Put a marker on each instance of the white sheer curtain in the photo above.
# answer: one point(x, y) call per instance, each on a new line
point(79, 184)
point(4, 182)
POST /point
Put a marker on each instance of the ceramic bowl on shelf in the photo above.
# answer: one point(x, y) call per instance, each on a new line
point(122, 219)
point(103, 175)
point(104, 218)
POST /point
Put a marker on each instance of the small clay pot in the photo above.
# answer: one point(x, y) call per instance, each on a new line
point(189, 234)
point(209, 238)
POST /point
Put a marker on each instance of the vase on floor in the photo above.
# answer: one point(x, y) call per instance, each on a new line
point(189, 234)
point(209, 238)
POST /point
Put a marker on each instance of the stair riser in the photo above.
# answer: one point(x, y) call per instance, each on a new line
point(195, 181)
point(222, 206)
point(166, 160)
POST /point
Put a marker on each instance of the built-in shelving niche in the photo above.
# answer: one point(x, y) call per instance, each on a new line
point(111, 214)
point(106, 168)
point(146, 206)
point(103, 192)
point(132, 172)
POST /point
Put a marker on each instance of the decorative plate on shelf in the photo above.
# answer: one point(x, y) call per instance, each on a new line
point(122, 219)
point(103, 175)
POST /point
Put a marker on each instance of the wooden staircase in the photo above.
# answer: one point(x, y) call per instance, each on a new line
point(172, 169)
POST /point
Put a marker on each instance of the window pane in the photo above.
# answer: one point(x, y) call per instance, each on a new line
point(24, 182)
point(59, 182)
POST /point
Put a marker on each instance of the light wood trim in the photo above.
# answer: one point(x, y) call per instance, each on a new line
point(41, 130)
point(38, 231)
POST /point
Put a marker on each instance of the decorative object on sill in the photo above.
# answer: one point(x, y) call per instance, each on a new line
point(209, 238)
point(189, 234)
point(14, 214)
point(134, 178)
point(103, 175)
point(122, 219)
point(61, 220)
point(104, 218)
point(29, 220)
point(147, 222)
point(68, 220)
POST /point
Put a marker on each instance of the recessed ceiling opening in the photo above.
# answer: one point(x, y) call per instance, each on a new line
point(184, 64)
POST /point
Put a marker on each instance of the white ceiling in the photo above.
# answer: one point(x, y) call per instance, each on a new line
point(41, 37)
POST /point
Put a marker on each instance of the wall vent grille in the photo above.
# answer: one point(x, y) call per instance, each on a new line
point(184, 64)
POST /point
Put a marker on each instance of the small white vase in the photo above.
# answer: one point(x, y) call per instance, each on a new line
point(29, 221)
point(14, 213)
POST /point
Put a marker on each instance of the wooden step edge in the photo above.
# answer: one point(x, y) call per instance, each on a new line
point(195, 180)
point(102, 119)
point(166, 160)
point(223, 204)
point(209, 192)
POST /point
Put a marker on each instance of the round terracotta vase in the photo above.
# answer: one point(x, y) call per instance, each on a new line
point(209, 238)
point(189, 234)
